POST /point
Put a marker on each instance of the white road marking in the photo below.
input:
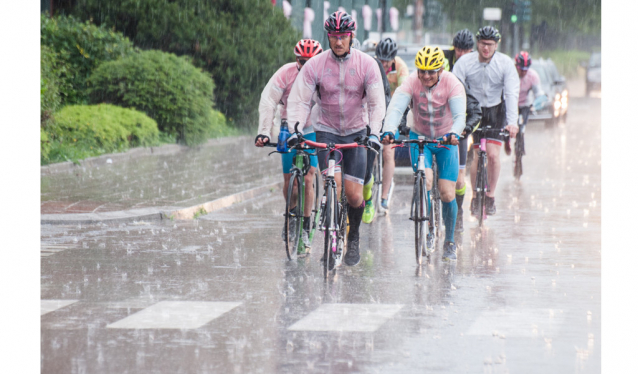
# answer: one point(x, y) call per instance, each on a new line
point(175, 315)
point(347, 317)
point(526, 323)
point(47, 306)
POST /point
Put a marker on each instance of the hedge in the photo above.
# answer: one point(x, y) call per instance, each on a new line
point(50, 70)
point(80, 47)
point(81, 131)
point(240, 42)
point(167, 88)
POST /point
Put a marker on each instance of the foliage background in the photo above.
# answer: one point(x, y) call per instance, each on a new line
point(241, 43)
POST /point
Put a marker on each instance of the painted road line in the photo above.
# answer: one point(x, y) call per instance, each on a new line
point(347, 317)
point(523, 323)
point(175, 315)
point(47, 306)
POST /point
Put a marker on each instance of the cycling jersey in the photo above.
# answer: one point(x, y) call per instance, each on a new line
point(530, 81)
point(436, 111)
point(489, 81)
point(397, 74)
point(349, 89)
point(276, 93)
point(451, 57)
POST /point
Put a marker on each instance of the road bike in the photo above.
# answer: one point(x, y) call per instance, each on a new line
point(295, 200)
point(334, 209)
point(422, 209)
point(482, 183)
point(519, 145)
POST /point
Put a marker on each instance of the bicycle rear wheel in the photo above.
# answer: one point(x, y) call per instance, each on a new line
point(293, 222)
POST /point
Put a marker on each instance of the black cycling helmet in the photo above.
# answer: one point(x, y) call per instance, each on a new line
point(489, 33)
point(463, 40)
point(523, 60)
point(386, 50)
point(339, 22)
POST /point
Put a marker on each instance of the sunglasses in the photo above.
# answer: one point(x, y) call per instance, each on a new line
point(334, 37)
point(429, 72)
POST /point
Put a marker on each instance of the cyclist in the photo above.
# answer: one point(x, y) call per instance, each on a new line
point(529, 81)
point(276, 93)
point(462, 44)
point(438, 112)
point(350, 90)
point(397, 71)
point(491, 77)
point(369, 210)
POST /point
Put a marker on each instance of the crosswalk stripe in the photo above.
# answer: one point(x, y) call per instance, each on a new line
point(47, 306)
point(347, 317)
point(175, 315)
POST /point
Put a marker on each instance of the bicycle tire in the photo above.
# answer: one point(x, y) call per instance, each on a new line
point(342, 221)
point(293, 224)
point(418, 200)
point(482, 185)
point(518, 160)
point(435, 199)
point(316, 210)
point(329, 229)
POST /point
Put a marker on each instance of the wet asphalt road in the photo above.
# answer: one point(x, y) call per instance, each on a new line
point(216, 295)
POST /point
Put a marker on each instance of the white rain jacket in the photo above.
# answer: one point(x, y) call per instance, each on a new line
point(349, 90)
point(274, 97)
point(487, 81)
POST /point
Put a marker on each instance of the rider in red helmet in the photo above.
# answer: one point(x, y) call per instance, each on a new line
point(274, 97)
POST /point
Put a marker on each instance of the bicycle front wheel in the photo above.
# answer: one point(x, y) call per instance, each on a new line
point(294, 219)
point(518, 160)
point(419, 207)
point(482, 186)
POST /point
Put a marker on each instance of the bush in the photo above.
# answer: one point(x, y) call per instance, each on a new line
point(167, 88)
point(50, 70)
point(80, 47)
point(240, 42)
point(81, 131)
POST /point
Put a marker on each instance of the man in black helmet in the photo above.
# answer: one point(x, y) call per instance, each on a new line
point(490, 77)
point(462, 44)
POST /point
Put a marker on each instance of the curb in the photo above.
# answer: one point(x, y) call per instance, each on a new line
point(158, 214)
point(166, 149)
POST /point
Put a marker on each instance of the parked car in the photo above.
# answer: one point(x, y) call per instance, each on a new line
point(555, 86)
point(592, 78)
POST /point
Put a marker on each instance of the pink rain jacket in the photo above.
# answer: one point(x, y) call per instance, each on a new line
point(276, 93)
point(436, 111)
point(530, 81)
point(350, 93)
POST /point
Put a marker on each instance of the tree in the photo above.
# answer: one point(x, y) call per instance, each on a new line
point(240, 42)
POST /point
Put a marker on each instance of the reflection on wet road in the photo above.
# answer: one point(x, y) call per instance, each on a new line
point(217, 295)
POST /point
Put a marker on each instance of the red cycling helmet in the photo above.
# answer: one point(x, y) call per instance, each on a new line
point(523, 60)
point(307, 48)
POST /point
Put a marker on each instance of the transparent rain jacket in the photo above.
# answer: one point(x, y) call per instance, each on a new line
point(531, 81)
point(275, 96)
point(349, 90)
point(436, 111)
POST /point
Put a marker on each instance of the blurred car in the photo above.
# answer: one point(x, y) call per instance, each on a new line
point(592, 78)
point(555, 86)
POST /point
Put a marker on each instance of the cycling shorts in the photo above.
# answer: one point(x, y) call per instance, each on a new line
point(462, 153)
point(447, 160)
point(495, 118)
point(287, 158)
point(351, 161)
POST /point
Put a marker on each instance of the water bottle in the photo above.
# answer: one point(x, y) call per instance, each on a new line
point(284, 134)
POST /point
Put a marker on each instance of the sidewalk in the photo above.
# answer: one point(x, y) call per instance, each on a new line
point(169, 181)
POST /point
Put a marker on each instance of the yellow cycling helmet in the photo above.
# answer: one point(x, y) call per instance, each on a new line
point(429, 58)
